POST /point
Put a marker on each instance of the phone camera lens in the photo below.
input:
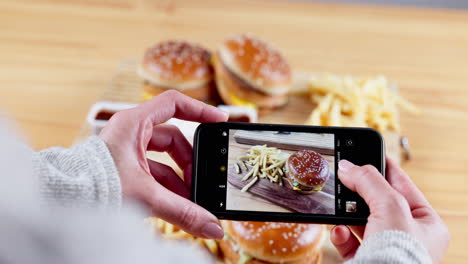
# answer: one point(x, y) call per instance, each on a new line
point(224, 133)
point(223, 151)
point(349, 142)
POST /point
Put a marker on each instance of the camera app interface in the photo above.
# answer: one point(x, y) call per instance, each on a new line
point(283, 172)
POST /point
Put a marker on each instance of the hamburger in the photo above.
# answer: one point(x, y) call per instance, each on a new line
point(272, 242)
point(307, 171)
point(249, 72)
point(177, 65)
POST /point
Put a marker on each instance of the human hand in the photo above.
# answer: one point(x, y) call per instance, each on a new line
point(130, 133)
point(394, 205)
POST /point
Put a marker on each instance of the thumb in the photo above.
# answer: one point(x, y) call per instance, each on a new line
point(366, 181)
point(183, 213)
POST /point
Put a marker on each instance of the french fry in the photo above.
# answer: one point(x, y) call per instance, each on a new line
point(169, 228)
point(266, 163)
point(176, 235)
point(406, 105)
point(280, 171)
point(237, 168)
point(250, 173)
point(243, 165)
point(275, 165)
point(170, 231)
point(248, 185)
point(211, 245)
point(335, 114)
point(352, 101)
point(314, 119)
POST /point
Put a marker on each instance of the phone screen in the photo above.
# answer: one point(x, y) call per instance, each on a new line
point(282, 172)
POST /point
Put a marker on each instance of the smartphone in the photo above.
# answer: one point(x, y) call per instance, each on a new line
point(287, 173)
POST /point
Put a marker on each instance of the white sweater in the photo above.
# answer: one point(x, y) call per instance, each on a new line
point(87, 222)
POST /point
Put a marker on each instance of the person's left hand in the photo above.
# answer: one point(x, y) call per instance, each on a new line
point(130, 133)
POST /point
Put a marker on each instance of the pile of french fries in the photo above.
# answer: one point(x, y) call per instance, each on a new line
point(169, 231)
point(357, 102)
point(261, 162)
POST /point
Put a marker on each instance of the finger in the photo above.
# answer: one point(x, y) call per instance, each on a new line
point(168, 178)
point(366, 181)
point(168, 138)
point(402, 183)
point(358, 231)
point(344, 241)
point(174, 104)
point(182, 212)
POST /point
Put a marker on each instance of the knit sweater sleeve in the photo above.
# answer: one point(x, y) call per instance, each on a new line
point(391, 247)
point(84, 175)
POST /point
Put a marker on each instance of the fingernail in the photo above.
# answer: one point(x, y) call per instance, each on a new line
point(213, 230)
point(345, 165)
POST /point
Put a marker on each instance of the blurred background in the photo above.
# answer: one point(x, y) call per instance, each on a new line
point(58, 58)
point(420, 3)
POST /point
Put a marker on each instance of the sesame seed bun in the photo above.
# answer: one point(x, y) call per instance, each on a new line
point(177, 65)
point(258, 63)
point(235, 91)
point(250, 72)
point(271, 242)
point(307, 171)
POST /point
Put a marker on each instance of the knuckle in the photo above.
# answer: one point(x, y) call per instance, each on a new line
point(366, 172)
point(396, 202)
point(362, 173)
point(189, 216)
point(115, 119)
point(399, 200)
point(171, 94)
point(369, 169)
point(118, 115)
point(123, 114)
point(171, 128)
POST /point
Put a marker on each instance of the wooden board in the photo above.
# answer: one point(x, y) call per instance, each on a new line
point(321, 143)
point(321, 202)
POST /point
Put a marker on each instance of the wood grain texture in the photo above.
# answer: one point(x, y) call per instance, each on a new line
point(57, 58)
point(321, 202)
point(322, 143)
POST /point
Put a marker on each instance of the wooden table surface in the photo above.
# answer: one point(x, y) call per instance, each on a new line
point(57, 57)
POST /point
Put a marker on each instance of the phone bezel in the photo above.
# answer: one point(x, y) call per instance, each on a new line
point(200, 154)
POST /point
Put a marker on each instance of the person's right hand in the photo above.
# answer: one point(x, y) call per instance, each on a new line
point(394, 205)
point(131, 133)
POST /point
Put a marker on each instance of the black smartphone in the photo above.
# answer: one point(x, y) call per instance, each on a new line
point(288, 173)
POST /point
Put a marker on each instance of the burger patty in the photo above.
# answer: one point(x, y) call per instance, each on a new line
point(295, 185)
point(234, 85)
point(205, 92)
point(241, 82)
